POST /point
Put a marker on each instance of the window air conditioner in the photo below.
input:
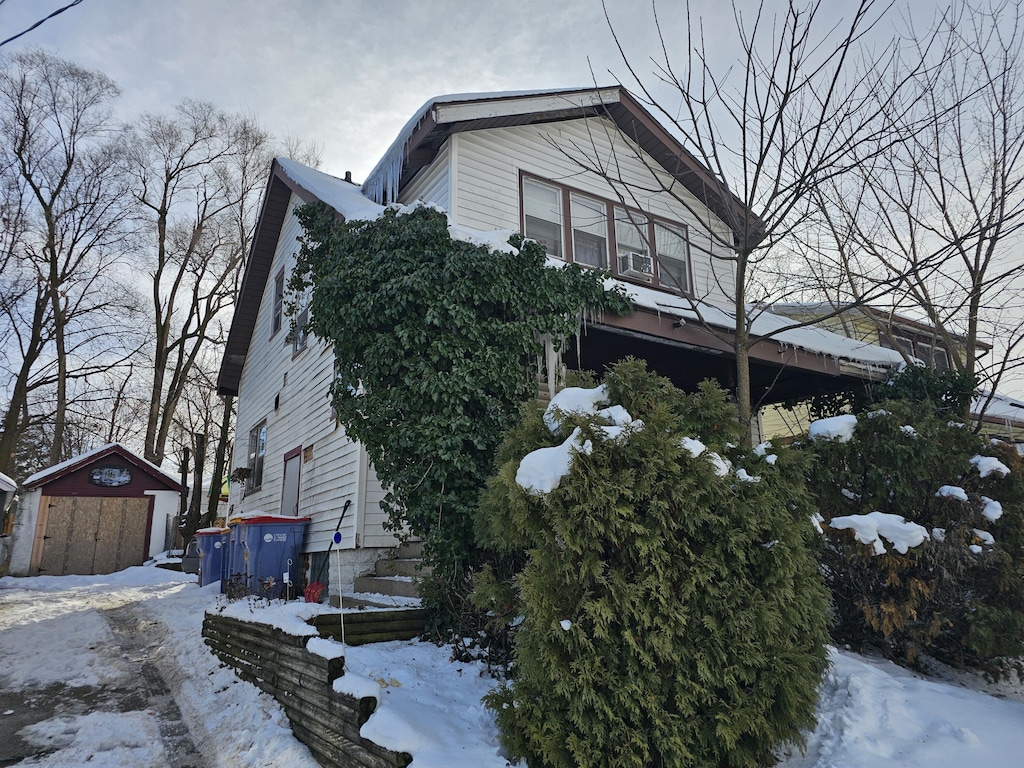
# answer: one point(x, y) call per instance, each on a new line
point(633, 264)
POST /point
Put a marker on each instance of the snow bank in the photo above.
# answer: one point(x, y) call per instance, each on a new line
point(835, 428)
point(874, 526)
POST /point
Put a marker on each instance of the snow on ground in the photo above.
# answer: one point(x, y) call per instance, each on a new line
point(53, 630)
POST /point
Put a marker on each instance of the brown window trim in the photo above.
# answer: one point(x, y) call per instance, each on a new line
point(613, 260)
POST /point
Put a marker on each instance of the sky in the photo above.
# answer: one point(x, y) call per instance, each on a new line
point(348, 74)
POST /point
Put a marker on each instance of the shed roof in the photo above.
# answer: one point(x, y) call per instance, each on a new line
point(75, 463)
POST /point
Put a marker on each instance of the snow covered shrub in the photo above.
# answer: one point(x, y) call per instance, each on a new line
point(924, 542)
point(670, 611)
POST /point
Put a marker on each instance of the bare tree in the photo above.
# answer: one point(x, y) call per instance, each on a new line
point(807, 101)
point(198, 175)
point(63, 256)
point(945, 209)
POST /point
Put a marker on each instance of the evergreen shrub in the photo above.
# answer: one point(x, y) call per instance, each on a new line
point(668, 615)
point(957, 596)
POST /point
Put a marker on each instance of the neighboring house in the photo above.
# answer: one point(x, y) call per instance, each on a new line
point(502, 162)
point(1001, 417)
point(99, 512)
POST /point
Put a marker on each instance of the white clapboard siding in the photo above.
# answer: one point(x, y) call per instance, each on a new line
point(433, 183)
point(303, 418)
point(486, 165)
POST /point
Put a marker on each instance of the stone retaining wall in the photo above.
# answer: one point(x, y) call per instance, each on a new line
point(323, 719)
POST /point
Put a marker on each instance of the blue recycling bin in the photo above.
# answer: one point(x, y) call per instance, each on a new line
point(260, 548)
point(212, 554)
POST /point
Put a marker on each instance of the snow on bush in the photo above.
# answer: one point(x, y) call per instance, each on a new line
point(988, 464)
point(952, 492)
point(838, 428)
point(874, 526)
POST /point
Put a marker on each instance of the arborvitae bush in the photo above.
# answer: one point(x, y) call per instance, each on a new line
point(942, 598)
point(670, 615)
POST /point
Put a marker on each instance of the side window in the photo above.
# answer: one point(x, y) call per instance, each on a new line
point(278, 318)
point(673, 261)
point(542, 215)
point(257, 452)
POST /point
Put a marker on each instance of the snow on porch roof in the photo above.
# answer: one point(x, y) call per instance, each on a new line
point(808, 338)
point(75, 462)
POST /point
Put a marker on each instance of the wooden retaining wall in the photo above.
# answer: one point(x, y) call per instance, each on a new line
point(324, 720)
point(373, 626)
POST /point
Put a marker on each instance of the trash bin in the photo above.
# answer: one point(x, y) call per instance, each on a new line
point(212, 544)
point(263, 549)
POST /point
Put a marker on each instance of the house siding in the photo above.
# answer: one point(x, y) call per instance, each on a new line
point(291, 393)
point(433, 184)
point(487, 165)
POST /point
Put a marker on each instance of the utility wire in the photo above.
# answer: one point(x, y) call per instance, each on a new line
point(40, 22)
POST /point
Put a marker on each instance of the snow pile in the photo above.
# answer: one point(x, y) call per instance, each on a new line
point(835, 428)
point(872, 713)
point(744, 477)
point(874, 526)
point(988, 464)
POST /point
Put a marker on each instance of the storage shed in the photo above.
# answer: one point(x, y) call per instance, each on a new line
point(97, 513)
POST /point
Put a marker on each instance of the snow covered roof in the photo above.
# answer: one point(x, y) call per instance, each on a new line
point(343, 196)
point(808, 338)
point(7, 484)
point(82, 459)
point(1000, 408)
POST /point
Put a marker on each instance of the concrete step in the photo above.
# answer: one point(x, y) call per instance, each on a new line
point(402, 586)
point(400, 566)
point(410, 550)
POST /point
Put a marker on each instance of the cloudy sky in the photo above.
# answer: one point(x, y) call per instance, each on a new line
point(347, 74)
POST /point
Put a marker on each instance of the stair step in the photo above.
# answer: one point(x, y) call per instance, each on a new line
point(402, 586)
point(410, 550)
point(400, 566)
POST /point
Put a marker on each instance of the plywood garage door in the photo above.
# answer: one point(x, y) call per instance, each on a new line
point(91, 535)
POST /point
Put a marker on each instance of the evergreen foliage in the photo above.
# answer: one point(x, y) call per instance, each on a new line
point(672, 616)
point(943, 598)
point(436, 346)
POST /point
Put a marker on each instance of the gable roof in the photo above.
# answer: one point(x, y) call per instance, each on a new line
point(109, 449)
point(286, 177)
point(423, 136)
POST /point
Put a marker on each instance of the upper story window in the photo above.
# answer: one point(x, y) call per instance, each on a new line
point(257, 452)
point(600, 233)
point(589, 231)
point(278, 317)
point(542, 214)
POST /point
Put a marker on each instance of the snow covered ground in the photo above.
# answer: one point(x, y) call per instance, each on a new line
point(66, 635)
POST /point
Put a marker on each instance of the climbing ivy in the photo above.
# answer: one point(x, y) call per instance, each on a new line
point(436, 345)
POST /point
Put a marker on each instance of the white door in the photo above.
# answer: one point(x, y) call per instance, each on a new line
point(290, 495)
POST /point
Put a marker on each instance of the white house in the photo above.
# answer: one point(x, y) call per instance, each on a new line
point(512, 162)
